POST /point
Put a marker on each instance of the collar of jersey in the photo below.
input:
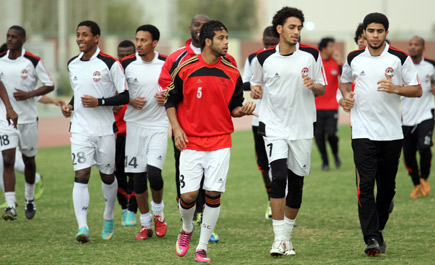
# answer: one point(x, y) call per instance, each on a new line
point(387, 47)
point(277, 50)
point(206, 64)
point(93, 56)
point(23, 51)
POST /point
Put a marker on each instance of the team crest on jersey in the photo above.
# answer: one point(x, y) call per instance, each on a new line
point(24, 74)
point(334, 72)
point(305, 71)
point(428, 78)
point(389, 72)
point(96, 76)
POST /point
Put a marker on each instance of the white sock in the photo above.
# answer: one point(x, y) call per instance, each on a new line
point(10, 199)
point(37, 177)
point(81, 203)
point(210, 216)
point(146, 220)
point(279, 229)
point(187, 217)
point(157, 208)
point(29, 191)
point(109, 192)
point(288, 225)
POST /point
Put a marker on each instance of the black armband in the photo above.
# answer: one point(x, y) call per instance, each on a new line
point(120, 99)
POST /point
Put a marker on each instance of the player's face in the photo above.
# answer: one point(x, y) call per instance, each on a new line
point(415, 47)
point(124, 52)
point(375, 35)
point(144, 43)
point(196, 26)
point(85, 39)
point(329, 50)
point(14, 40)
point(269, 41)
point(219, 45)
point(362, 43)
point(290, 31)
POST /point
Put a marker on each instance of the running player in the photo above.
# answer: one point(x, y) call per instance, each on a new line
point(126, 197)
point(147, 130)
point(95, 78)
point(418, 121)
point(327, 107)
point(379, 70)
point(359, 38)
point(20, 71)
point(205, 92)
point(287, 117)
point(269, 40)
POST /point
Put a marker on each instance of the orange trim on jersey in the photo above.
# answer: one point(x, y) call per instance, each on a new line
point(391, 47)
point(106, 55)
point(128, 57)
point(32, 55)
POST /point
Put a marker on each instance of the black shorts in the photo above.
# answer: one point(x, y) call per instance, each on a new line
point(260, 150)
point(420, 134)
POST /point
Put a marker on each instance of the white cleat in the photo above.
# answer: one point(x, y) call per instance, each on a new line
point(278, 248)
point(289, 249)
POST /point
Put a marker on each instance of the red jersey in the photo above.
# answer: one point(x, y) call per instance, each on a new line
point(205, 95)
point(328, 101)
point(119, 120)
point(177, 58)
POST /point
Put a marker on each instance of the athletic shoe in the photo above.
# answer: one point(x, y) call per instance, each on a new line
point(197, 220)
point(425, 187)
point(415, 192)
point(30, 209)
point(383, 247)
point(325, 167)
point(131, 219)
point(372, 248)
point(39, 189)
point(183, 241)
point(144, 233)
point(160, 225)
point(108, 229)
point(201, 256)
point(268, 213)
point(214, 237)
point(278, 248)
point(10, 214)
point(289, 249)
point(83, 235)
point(124, 218)
point(337, 161)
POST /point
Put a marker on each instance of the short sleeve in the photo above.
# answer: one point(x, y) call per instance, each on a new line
point(247, 71)
point(43, 75)
point(319, 76)
point(257, 73)
point(346, 75)
point(118, 77)
point(174, 92)
point(409, 73)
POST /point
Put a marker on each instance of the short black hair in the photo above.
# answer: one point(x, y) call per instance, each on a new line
point(268, 32)
point(19, 29)
point(281, 16)
point(95, 29)
point(153, 30)
point(127, 44)
point(324, 42)
point(3, 48)
point(358, 32)
point(208, 31)
point(376, 18)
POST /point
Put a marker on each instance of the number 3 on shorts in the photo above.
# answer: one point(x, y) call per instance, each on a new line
point(182, 183)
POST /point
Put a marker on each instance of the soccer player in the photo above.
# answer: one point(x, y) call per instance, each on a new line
point(379, 70)
point(418, 121)
point(191, 49)
point(327, 107)
point(96, 78)
point(126, 197)
point(20, 71)
point(287, 78)
point(359, 38)
point(269, 40)
point(205, 92)
point(147, 130)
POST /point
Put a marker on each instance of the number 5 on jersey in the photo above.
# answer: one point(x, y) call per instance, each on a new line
point(199, 92)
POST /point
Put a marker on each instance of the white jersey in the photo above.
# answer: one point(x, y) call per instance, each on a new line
point(376, 115)
point(22, 73)
point(247, 75)
point(416, 110)
point(142, 79)
point(99, 77)
point(288, 110)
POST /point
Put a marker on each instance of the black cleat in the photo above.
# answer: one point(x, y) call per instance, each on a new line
point(337, 161)
point(372, 248)
point(30, 209)
point(10, 214)
point(383, 247)
point(325, 167)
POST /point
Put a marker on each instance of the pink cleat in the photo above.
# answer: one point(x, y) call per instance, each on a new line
point(201, 256)
point(183, 241)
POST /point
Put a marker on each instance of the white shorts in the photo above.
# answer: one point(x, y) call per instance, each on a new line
point(144, 147)
point(297, 153)
point(25, 137)
point(213, 165)
point(90, 151)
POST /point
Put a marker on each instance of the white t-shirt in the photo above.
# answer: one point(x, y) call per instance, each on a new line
point(247, 75)
point(416, 110)
point(22, 73)
point(99, 77)
point(376, 115)
point(287, 110)
point(142, 79)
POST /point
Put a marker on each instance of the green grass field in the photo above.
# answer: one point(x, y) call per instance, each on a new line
point(327, 232)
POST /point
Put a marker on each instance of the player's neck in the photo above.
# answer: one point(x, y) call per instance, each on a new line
point(378, 51)
point(196, 44)
point(416, 59)
point(325, 56)
point(147, 57)
point(14, 54)
point(88, 54)
point(209, 57)
point(286, 48)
